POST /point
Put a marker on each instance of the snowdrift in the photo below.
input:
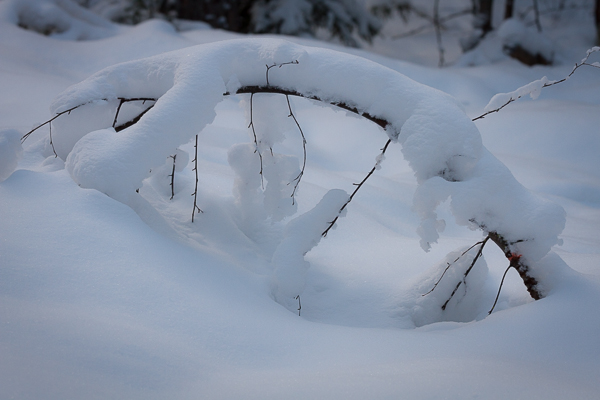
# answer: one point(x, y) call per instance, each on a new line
point(441, 144)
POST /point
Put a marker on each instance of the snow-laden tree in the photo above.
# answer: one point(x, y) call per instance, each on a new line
point(116, 129)
point(346, 21)
point(342, 19)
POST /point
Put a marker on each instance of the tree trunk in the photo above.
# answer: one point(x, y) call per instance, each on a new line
point(509, 9)
point(483, 19)
point(598, 22)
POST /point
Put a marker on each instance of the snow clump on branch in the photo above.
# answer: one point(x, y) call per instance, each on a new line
point(441, 144)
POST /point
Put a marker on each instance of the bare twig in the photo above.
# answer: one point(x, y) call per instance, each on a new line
point(195, 194)
point(547, 84)
point(51, 141)
point(118, 128)
point(278, 65)
point(499, 289)
point(256, 148)
point(299, 305)
point(449, 265)
point(174, 157)
point(464, 279)
point(358, 186)
point(298, 178)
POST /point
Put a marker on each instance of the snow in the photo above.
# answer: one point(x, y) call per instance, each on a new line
point(11, 152)
point(122, 296)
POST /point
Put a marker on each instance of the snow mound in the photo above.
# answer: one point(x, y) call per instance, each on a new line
point(59, 19)
point(10, 152)
point(445, 285)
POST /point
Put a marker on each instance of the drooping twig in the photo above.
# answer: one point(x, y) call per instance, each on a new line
point(195, 194)
point(172, 176)
point(464, 279)
point(547, 84)
point(298, 178)
point(499, 289)
point(358, 186)
point(51, 141)
point(278, 65)
point(449, 265)
point(299, 305)
point(256, 148)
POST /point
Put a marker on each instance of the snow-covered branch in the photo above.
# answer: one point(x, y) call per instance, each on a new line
point(533, 89)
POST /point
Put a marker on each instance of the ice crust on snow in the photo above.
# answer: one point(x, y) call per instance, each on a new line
point(439, 141)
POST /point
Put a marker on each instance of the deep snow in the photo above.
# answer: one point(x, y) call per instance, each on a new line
point(97, 304)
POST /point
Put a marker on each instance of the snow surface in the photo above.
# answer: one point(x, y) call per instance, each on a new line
point(129, 299)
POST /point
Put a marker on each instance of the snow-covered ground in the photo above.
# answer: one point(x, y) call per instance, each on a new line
point(109, 297)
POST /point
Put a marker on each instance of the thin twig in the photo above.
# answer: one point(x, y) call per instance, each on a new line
point(358, 186)
point(299, 305)
point(195, 194)
point(174, 157)
point(499, 289)
point(51, 141)
point(278, 65)
point(256, 148)
point(547, 84)
point(449, 265)
point(464, 279)
point(298, 178)
point(121, 101)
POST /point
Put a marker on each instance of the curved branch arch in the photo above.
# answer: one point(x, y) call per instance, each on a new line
point(441, 144)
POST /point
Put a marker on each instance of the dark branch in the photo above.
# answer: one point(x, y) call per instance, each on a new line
point(195, 194)
point(517, 263)
point(464, 279)
point(277, 90)
point(299, 177)
point(256, 148)
point(174, 157)
point(449, 265)
point(548, 84)
point(499, 289)
point(358, 186)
